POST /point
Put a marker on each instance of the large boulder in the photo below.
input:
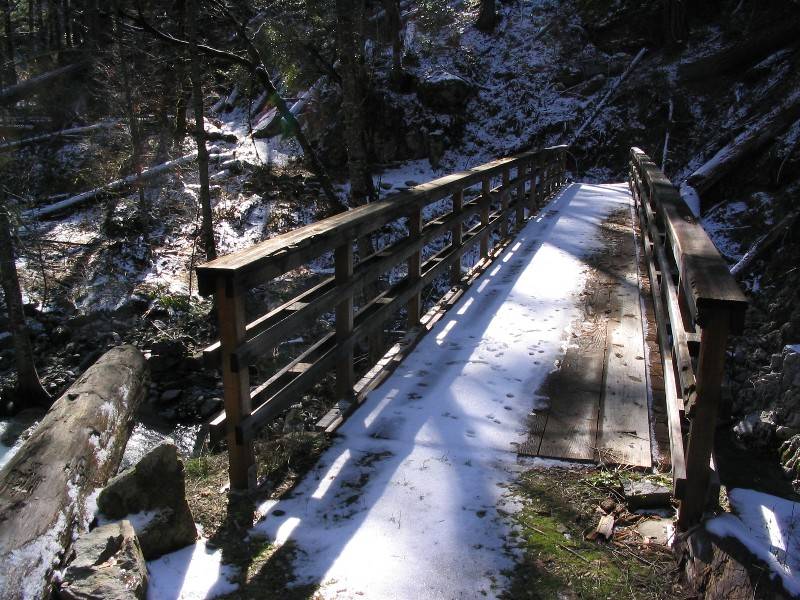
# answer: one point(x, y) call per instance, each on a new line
point(444, 92)
point(108, 565)
point(152, 495)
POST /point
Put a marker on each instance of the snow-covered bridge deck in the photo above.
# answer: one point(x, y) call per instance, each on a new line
point(543, 355)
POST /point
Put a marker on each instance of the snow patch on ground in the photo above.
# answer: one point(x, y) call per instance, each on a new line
point(719, 222)
point(192, 573)
point(769, 527)
point(417, 483)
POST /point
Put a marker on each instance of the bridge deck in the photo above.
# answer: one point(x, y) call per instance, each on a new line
point(543, 355)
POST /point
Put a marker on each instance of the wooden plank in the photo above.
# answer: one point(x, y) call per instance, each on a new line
point(415, 268)
point(457, 234)
point(704, 275)
point(369, 317)
point(344, 322)
point(211, 353)
point(520, 196)
point(505, 197)
point(290, 322)
point(236, 385)
point(574, 391)
point(674, 428)
point(710, 371)
point(624, 426)
point(675, 320)
point(486, 201)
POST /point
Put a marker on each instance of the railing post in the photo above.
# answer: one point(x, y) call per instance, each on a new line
point(533, 201)
point(505, 196)
point(415, 268)
point(520, 195)
point(343, 258)
point(486, 202)
point(710, 371)
point(457, 236)
point(235, 381)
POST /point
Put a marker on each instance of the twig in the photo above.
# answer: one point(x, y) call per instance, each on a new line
point(571, 551)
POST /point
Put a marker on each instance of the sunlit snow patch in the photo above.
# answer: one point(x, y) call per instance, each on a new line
point(770, 528)
point(192, 573)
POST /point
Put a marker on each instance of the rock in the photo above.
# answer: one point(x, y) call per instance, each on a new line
point(644, 493)
point(656, 531)
point(776, 363)
point(608, 505)
point(783, 433)
point(61, 334)
point(791, 369)
point(767, 388)
point(152, 495)
point(757, 429)
point(444, 92)
point(210, 406)
point(294, 423)
point(169, 396)
point(108, 565)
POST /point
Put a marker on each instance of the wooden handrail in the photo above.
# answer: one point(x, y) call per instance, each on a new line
point(538, 175)
point(697, 303)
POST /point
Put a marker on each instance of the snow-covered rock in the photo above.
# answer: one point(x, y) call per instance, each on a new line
point(444, 91)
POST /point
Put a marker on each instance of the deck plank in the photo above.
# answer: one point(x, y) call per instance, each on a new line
point(575, 389)
point(624, 428)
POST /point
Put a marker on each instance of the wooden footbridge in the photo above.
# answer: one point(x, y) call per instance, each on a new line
point(645, 265)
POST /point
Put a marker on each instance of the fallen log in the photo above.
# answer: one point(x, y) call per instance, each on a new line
point(117, 184)
point(23, 89)
point(763, 131)
point(763, 244)
point(46, 487)
point(611, 91)
point(72, 131)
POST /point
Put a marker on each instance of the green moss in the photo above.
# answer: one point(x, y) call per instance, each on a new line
point(558, 562)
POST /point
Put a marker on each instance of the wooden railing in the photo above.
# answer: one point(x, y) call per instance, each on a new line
point(697, 304)
point(467, 219)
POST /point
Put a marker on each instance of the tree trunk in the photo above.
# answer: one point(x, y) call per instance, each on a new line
point(487, 17)
point(23, 89)
point(395, 25)
point(763, 244)
point(207, 225)
point(674, 25)
point(180, 76)
point(117, 184)
point(9, 70)
point(44, 488)
point(29, 390)
point(349, 14)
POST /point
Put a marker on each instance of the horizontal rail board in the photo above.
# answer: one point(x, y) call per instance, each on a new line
point(277, 255)
point(674, 428)
point(704, 275)
point(371, 317)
